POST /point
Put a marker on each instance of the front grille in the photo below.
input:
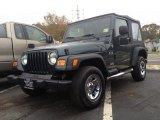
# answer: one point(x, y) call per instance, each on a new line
point(38, 63)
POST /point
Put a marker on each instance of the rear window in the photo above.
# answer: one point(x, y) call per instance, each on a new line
point(136, 33)
point(3, 32)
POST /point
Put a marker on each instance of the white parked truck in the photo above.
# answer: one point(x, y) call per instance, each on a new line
point(16, 38)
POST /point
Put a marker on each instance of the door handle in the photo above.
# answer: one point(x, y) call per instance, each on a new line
point(31, 46)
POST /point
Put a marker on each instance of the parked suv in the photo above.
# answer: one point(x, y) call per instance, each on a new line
point(15, 38)
point(93, 51)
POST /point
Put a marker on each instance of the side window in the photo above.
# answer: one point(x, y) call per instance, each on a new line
point(19, 31)
point(118, 23)
point(136, 32)
point(3, 32)
point(35, 34)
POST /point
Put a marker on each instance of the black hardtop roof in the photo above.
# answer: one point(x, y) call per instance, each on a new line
point(110, 14)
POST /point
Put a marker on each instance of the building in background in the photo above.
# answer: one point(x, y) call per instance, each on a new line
point(153, 45)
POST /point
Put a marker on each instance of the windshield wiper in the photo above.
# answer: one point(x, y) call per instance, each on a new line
point(91, 35)
point(69, 37)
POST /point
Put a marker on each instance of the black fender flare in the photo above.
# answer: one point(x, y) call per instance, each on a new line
point(135, 54)
point(81, 58)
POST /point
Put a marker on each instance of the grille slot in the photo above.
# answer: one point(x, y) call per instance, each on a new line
point(38, 63)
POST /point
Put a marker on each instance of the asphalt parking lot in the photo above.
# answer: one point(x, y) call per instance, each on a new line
point(136, 100)
point(129, 101)
point(4, 84)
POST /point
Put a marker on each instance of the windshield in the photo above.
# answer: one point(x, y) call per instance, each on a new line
point(93, 26)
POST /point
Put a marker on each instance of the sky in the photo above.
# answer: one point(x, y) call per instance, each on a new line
point(33, 11)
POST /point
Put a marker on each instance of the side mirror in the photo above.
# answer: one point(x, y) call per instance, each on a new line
point(50, 39)
point(123, 30)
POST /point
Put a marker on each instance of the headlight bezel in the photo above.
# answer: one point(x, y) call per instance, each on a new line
point(24, 59)
point(52, 58)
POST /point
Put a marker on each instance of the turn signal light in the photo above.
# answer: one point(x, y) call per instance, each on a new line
point(14, 64)
point(61, 63)
point(75, 62)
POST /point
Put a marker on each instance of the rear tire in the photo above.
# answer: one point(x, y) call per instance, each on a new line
point(88, 87)
point(139, 70)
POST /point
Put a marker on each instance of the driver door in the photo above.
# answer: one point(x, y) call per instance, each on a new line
point(122, 44)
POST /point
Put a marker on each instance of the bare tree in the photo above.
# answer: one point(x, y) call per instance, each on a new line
point(151, 31)
point(54, 25)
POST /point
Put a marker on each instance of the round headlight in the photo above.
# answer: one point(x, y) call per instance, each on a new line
point(24, 59)
point(52, 58)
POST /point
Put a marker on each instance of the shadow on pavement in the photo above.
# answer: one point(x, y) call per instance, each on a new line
point(50, 106)
point(4, 84)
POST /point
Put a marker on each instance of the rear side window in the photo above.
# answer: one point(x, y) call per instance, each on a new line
point(35, 34)
point(3, 32)
point(19, 31)
point(136, 33)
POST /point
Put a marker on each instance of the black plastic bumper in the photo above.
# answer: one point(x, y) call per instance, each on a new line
point(45, 81)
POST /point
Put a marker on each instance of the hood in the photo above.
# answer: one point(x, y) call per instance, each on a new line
point(79, 47)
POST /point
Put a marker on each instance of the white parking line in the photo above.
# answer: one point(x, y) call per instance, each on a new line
point(107, 110)
point(153, 60)
point(8, 89)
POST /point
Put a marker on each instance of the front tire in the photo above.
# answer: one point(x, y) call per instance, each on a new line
point(139, 70)
point(88, 87)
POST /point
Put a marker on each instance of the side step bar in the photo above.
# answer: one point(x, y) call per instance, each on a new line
point(120, 74)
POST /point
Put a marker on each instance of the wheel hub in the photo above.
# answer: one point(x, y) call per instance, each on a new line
point(142, 68)
point(93, 87)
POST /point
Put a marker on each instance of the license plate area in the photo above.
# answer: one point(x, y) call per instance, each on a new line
point(29, 84)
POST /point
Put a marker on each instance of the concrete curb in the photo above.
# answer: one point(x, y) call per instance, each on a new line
point(153, 67)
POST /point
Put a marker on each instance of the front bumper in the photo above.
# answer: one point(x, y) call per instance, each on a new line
point(45, 81)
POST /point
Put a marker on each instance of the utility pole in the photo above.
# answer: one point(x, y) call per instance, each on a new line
point(83, 13)
point(77, 13)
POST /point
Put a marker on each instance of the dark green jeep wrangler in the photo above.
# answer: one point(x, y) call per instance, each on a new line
point(93, 51)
